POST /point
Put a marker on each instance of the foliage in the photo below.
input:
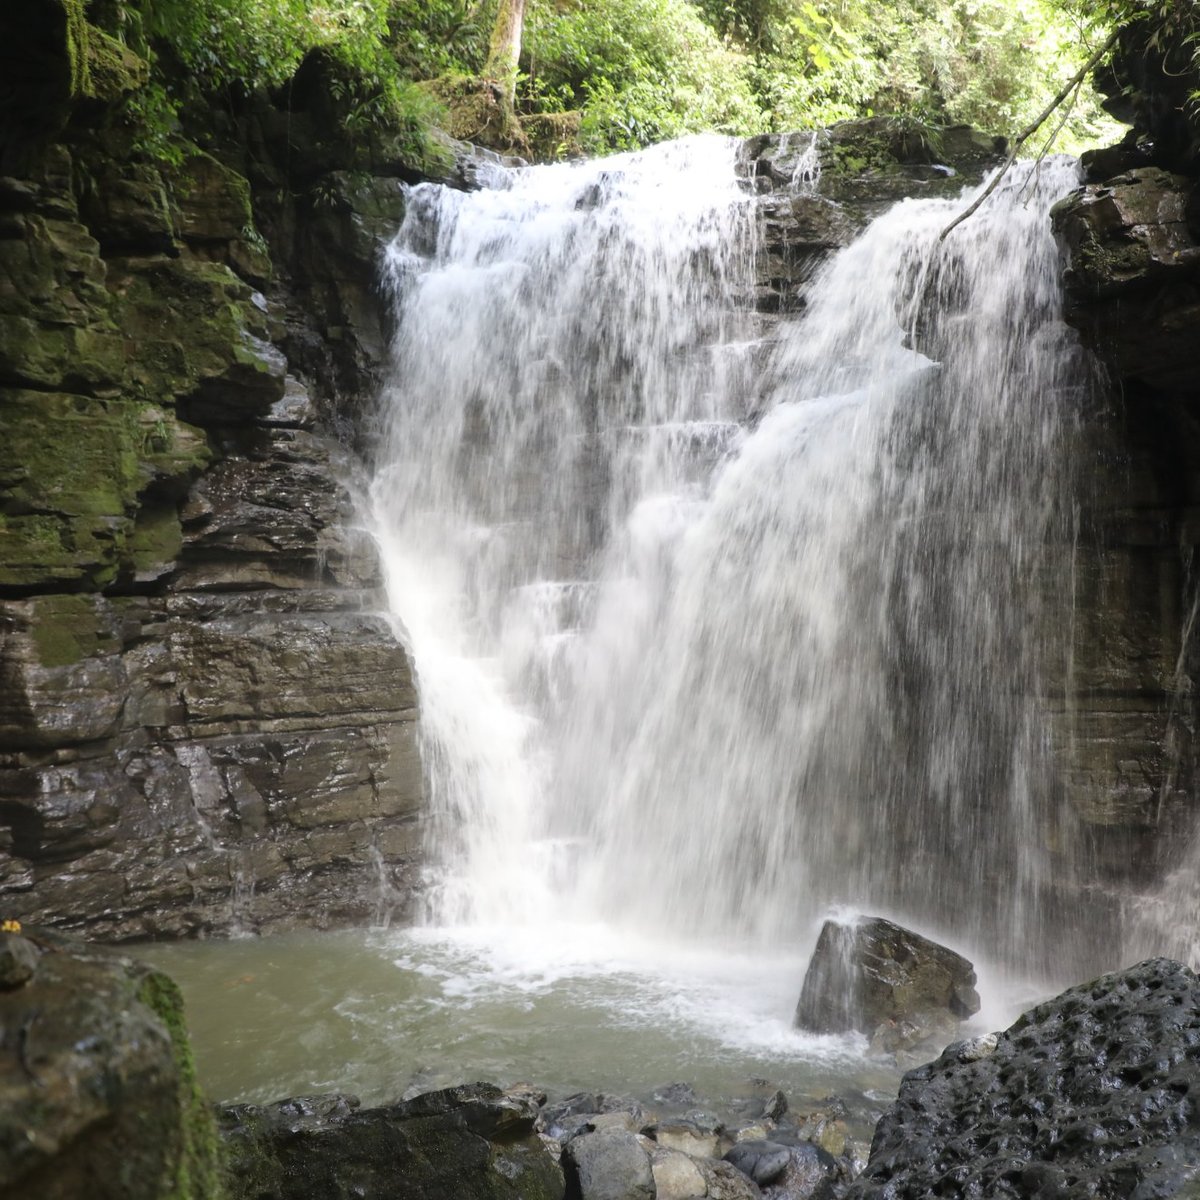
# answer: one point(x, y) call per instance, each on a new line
point(640, 70)
point(440, 37)
point(990, 63)
point(214, 49)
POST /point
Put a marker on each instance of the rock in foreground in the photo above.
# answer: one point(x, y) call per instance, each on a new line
point(472, 1142)
point(1091, 1094)
point(877, 978)
point(97, 1091)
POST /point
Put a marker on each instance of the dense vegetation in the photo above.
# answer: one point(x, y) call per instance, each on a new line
point(635, 71)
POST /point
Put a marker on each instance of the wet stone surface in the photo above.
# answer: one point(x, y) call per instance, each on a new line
point(1090, 1094)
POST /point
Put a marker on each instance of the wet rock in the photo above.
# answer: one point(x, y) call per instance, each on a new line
point(827, 1131)
point(18, 961)
point(679, 1095)
point(174, 512)
point(676, 1176)
point(689, 1137)
point(472, 1142)
point(585, 1112)
point(809, 1174)
point(1089, 1094)
point(874, 973)
point(764, 1162)
point(799, 1171)
point(775, 1105)
point(723, 1181)
point(612, 1165)
point(97, 1092)
point(1132, 274)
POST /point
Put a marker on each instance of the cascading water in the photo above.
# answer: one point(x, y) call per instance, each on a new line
point(715, 631)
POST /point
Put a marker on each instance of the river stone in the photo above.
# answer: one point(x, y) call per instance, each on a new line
point(809, 1174)
point(676, 1176)
point(799, 1172)
point(471, 1142)
point(874, 973)
point(688, 1137)
point(1091, 1094)
point(612, 1165)
point(764, 1161)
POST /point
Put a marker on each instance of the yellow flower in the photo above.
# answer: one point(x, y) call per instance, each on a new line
point(10, 926)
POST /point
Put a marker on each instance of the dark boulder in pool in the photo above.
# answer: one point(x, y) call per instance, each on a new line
point(1095, 1093)
point(472, 1142)
point(876, 977)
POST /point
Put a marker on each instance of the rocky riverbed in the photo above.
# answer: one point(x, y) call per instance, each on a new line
point(1090, 1094)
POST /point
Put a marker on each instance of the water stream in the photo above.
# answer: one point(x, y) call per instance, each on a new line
point(715, 630)
point(719, 622)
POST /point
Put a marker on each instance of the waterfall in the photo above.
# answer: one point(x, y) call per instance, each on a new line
point(719, 623)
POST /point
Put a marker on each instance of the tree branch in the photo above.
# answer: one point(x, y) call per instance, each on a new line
point(1028, 132)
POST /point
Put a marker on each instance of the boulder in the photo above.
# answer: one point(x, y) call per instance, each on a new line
point(97, 1090)
point(472, 1142)
point(696, 1139)
point(611, 1164)
point(875, 977)
point(680, 1177)
point(1090, 1094)
point(797, 1172)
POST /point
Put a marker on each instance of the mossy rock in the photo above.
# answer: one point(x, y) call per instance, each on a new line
point(72, 469)
point(113, 69)
point(100, 1100)
point(478, 111)
point(64, 630)
point(196, 323)
point(199, 1167)
point(887, 158)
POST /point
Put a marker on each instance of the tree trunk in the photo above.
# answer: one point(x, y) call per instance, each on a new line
point(505, 49)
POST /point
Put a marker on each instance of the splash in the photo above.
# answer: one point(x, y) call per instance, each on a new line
point(691, 667)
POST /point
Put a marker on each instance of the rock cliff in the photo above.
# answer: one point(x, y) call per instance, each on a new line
point(1131, 235)
point(205, 720)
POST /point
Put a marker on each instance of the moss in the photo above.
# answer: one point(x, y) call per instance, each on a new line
point(82, 465)
point(77, 40)
point(478, 111)
point(200, 1170)
point(156, 540)
point(113, 69)
point(64, 630)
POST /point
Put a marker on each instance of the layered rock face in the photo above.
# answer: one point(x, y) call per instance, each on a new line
point(820, 189)
point(1132, 239)
point(205, 720)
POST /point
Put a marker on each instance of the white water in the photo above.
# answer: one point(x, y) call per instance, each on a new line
point(715, 632)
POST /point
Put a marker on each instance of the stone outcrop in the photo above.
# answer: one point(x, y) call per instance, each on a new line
point(1090, 1094)
point(819, 189)
point(1133, 274)
point(97, 1091)
point(472, 1142)
point(1130, 236)
point(205, 720)
point(875, 977)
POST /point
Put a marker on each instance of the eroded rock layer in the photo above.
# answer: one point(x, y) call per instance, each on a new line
point(205, 720)
point(1132, 287)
